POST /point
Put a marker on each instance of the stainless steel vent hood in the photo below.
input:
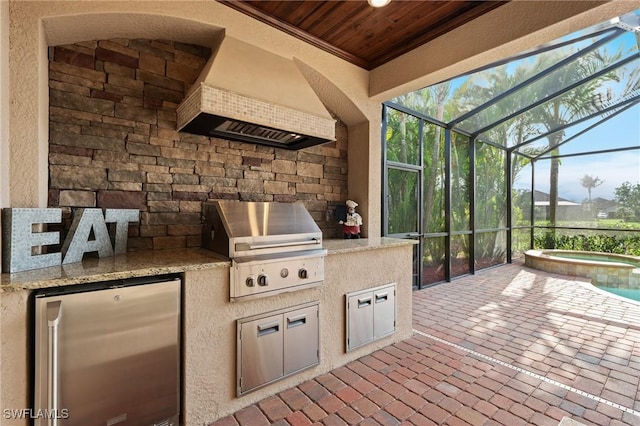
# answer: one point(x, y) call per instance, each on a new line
point(247, 94)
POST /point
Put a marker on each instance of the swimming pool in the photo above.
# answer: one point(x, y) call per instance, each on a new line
point(629, 293)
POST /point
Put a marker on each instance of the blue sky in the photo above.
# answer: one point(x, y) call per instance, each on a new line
point(620, 131)
point(613, 168)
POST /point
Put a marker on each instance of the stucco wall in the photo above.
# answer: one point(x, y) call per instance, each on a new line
point(4, 103)
point(15, 352)
point(210, 329)
point(209, 337)
point(4, 112)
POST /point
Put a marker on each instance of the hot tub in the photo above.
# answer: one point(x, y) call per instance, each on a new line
point(604, 269)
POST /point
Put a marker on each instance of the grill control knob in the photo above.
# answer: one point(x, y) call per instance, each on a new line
point(303, 274)
point(263, 280)
point(250, 282)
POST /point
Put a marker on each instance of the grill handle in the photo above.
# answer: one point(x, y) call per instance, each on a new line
point(285, 244)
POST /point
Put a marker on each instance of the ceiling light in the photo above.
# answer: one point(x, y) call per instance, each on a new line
point(378, 3)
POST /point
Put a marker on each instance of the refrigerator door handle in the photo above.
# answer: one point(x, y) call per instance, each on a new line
point(54, 313)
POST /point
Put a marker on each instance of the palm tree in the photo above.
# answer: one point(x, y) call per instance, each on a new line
point(491, 180)
point(565, 109)
point(590, 182)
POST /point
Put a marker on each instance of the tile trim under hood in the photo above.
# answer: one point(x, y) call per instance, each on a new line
point(247, 94)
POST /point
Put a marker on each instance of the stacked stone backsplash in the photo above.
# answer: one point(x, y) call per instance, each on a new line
point(113, 144)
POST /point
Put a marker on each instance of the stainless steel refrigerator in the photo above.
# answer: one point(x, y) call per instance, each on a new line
point(108, 354)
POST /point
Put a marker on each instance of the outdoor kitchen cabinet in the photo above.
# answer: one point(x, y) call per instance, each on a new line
point(277, 344)
point(371, 315)
point(301, 339)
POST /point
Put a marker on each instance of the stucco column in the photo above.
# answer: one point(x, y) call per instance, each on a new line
point(365, 172)
point(28, 112)
point(4, 103)
point(4, 129)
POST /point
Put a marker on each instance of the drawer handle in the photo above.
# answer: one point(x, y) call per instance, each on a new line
point(364, 302)
point(382, 297)
point(296, 321)
point(269, 328)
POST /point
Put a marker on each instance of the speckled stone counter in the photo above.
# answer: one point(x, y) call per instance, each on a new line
point(155, 262)
point(350, 246)
point(130, 265)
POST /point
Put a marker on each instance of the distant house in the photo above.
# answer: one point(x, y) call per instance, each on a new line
point(609, 207)
point(566, 210)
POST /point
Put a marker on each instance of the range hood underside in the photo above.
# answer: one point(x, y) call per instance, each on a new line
point(214, 112)
point(221, 127)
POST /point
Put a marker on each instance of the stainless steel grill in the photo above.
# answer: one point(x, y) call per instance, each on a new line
point(273, 247)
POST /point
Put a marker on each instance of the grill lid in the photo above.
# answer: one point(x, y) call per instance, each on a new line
point(251, 219)
point(248, 228)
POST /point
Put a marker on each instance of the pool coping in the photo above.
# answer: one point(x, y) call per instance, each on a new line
point(544, 255)
point(601, 273)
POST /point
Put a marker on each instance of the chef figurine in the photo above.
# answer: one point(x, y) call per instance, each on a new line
point(351, 227)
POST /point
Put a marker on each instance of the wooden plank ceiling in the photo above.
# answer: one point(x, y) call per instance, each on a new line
point(359, 33)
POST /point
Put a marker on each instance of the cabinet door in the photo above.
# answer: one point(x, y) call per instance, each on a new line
point(384, 312)
point(261, 351)
point(301, 339)
point(360, 319)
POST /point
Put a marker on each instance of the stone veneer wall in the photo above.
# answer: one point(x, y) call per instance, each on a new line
point(113, 144)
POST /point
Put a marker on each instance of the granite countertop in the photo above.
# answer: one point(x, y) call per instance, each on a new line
point(156, 262)
point(130, 265)
point(348, 246)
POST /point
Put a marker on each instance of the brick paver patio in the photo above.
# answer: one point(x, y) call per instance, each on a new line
point(508, 346)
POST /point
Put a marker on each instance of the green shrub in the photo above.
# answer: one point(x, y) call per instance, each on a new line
point(629, 244)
